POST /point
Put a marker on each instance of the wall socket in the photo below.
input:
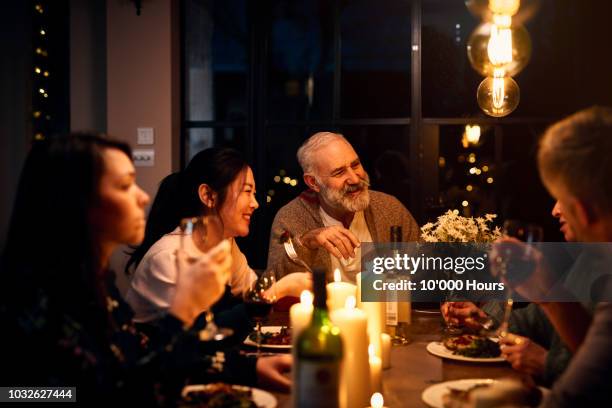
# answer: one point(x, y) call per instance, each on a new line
point(143, 157)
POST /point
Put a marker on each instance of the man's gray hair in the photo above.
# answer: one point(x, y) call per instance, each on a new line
point(306, 152)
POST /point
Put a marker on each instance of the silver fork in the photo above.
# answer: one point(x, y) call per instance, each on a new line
point(287, 241)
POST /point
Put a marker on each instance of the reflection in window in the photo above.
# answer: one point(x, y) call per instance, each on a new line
point(467, 169)
point(376, 59)
point(300, 66)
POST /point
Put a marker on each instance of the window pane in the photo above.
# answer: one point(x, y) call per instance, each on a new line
point(520, 190)
point(467, 170)
point(198, 139)
point(216, 59)
point(376, 59)
point(448, 81)
point(300, 65)
point(384, 153)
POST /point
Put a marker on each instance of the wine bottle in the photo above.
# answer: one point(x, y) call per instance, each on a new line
point(398, 312)
point(319, 355)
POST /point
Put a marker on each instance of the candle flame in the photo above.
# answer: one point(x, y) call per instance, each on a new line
point(371, 351)
point(350, 302)
point(377, 400)
point(306, 297)
point(337, 277)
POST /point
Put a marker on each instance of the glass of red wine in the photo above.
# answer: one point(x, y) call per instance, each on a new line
point(259, 298)
point(198, 236)
point(515, 262)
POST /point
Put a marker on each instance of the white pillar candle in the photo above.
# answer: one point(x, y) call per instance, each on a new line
point(377, 401)
point(355, 379)
point(385, 341)
point(375, 370)
point(300, 315)
point(338, 292)
point(376, 321)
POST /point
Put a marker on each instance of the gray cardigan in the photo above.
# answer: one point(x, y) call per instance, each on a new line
point(302, 214)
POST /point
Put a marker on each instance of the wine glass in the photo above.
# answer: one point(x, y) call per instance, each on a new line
point(259, 298)
point(517, 260)
point(198, 236)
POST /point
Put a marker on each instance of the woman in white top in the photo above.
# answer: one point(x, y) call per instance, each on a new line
point(215, 177)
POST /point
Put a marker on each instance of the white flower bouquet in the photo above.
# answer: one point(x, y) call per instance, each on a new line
point(451, 227)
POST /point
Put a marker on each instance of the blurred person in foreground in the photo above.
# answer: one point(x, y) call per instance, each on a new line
point(64, 322)
point(574, 164)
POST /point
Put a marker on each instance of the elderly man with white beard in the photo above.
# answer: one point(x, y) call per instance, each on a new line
point(329, 221)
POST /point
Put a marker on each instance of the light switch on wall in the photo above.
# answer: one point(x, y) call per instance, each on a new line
point(145, 136)
point(144, 157)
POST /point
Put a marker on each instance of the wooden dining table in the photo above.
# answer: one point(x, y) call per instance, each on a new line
point(413, 368)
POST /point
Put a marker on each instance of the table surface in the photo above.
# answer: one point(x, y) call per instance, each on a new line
point(413, 369)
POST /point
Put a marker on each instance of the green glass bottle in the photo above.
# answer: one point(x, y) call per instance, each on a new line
point(319, 355)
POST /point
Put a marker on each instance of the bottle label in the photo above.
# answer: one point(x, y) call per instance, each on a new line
point(317, 384)
point(391, 306)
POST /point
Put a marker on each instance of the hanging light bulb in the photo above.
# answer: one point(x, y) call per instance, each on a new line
point(506, 7)
point(481, 10)
point(499, 45)
point(499, 95)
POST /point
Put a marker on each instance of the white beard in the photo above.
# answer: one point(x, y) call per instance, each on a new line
point(339, 199)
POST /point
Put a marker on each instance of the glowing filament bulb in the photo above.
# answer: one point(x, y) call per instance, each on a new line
point(499, 89)
point(509, 7)
point(499, 48)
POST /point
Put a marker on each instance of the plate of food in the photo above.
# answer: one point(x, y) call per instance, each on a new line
point(483, 392)
point(225, 395)
point(272, 337)
point(467, 347)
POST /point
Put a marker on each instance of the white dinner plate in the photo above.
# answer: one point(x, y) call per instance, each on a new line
point(263, 399)
point(437, 349)
point(268, 329)
point(433, 394)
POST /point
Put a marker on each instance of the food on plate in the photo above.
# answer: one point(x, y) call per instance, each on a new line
point(280, 338)
point(219, 395)
point(471, 345)
point(507, 392)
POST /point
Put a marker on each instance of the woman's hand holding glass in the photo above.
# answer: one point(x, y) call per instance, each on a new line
point(201, 281)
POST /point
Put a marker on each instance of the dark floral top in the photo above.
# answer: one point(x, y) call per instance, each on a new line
point(93, 345)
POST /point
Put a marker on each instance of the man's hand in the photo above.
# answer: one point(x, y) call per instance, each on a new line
point(523, 268)
point(337, 240)
point(523, 354)
point(293, 284)
point(271, 372)
point(463, 314)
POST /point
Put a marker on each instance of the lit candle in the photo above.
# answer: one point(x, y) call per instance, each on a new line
point(338, 292)
point(375, 313)
point(375, 370)
point(355, 379)
point(376, 318)
point(385, 341)
point(377, 401)
point(300, 315)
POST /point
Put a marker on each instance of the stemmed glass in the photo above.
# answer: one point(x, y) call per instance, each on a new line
point(198, 236)
point(521, 261)
point(260, 297)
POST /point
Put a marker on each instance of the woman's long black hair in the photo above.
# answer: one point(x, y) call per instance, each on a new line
point(49, 243)
point(177, 196)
